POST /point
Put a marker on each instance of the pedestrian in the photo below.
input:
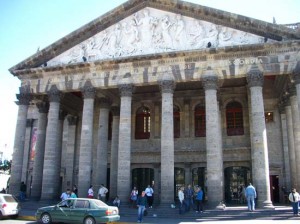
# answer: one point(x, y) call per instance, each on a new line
point(199, 199)
point(250, 194)
point(141, 203)
point(149, 193)
point(64, 196)
point(91, 192)
point(75, 190)
point(73, 195)
point(117, 201)
point(23, 189)
point(188, 197)
point(102, 193)
point(294, 198)
point(181, 199)
point(133, 196)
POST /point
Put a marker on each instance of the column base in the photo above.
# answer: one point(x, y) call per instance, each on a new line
point(266, 205)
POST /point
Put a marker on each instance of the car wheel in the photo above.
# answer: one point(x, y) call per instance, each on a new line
point(45, 218)
point(1, 216)
point(89, 220)
point(15, 216)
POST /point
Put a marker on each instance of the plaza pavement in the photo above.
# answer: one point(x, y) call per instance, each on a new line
point(167, 215)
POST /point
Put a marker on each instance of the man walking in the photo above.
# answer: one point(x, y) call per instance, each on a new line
point(250, 194)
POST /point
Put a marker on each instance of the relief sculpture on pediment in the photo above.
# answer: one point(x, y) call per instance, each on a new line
point(152, 31)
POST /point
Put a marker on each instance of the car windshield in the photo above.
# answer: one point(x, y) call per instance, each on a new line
point(9, 198)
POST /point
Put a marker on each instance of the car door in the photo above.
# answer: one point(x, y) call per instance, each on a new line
point(61, 212)
point(79, 210)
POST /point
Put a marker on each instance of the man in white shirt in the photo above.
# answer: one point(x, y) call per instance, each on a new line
point(102, 193)
point(149, 193)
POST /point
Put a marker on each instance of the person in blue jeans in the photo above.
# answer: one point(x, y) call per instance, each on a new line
point(294, 198)
point(188, 198)
point(141, 203)
point(250, 194)
point(199, 200)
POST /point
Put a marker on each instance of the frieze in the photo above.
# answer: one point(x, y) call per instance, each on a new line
point(151, 31)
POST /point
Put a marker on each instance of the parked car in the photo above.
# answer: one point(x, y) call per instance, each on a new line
point(78, 210)
point(9, 206)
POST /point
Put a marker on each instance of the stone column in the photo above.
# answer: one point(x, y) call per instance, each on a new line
point(61, 117)
point(187, 116)
point(259, 151)
point(296, 131)
point(291, 142)
point(86, 140)
point(70, 155)
point(285, 145)
point(187, 174)
point(49, 184)
point(16, 168)
point(114, 151)
point(167, 86)
point(156, 120)
point(124, 151)
point(37, 176)
point(101, 170)
point(214, 153)
point(27, 149)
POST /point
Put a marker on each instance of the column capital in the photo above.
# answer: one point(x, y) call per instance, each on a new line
point(62, 114)
point(24, 96)
point(125, 89)
point(104, 102)
point(72, 120)
point(296, 74)
point(88, 90)
point(167, 85)
point(210, 82)
point(54, 94)
point(115, 110)
point(43, 106)
point(255, 77)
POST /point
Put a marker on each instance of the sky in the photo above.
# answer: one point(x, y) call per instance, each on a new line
point(26, 25)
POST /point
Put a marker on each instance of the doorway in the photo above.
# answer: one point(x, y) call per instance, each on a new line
point(236, 178)
point(142, 177)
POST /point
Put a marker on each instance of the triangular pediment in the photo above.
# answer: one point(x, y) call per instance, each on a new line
point(153, 31)
point(175, 26)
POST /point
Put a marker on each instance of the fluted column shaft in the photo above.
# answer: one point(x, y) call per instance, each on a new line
point(114, 151)
point(37, 176)
point(259, 151)
point(72, 121)
point(49, 184)
point(214, 153)
point(86, 140)
point(101, 170)
point(16, 169)
point(167, 140)
point(296, 131)
point(124, 151)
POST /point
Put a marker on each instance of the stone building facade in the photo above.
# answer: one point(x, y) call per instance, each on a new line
point(166, 93)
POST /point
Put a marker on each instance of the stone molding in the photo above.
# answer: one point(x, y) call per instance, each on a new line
point(125, 89)
point(255, 77)
point(43, 106)
point(88, 90)
point(54, 94)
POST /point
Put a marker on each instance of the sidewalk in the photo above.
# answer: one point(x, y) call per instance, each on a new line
point(169, 215)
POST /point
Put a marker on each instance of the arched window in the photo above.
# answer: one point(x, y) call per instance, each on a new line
point(200, 122)
point(176, 116)
point(142, 124)
point(234, 119)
